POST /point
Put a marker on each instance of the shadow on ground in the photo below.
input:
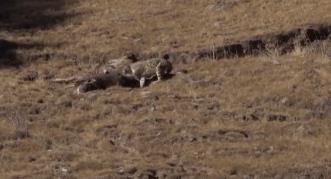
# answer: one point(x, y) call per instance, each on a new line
point(18, 16)
point(8, 55)
point(33, 14)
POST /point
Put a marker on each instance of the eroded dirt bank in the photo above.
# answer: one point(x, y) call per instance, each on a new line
point(276, 42)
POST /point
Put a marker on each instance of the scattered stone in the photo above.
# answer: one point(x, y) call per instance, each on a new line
point(284, 101)
point(150, 95)
point(64, 170)
point(233, 172)
point(31, 159)
point(277, 117)
point(251, 117)
point(234, 135)
point(151, 174)
point(40, 101)
point(130, 170)
point(276, 62)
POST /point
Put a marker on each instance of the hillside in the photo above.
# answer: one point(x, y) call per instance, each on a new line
point(263, 115)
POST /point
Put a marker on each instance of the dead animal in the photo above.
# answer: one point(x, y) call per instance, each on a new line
point(121, 64)
point(98, 81)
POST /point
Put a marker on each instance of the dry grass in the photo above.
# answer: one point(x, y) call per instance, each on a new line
point(111, 28)
point(241, 117)
point(261, 116)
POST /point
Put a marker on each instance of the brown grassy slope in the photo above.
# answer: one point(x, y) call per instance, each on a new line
point(162, 26)
point(248, 117)
point(101, 29)
point(244, 117)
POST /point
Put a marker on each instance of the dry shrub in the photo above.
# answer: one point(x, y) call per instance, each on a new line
point(21, 125)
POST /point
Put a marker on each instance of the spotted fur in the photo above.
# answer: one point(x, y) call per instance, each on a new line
point(150, 69)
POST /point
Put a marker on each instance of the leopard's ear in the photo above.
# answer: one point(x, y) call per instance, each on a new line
point(166, 56)
point(92, 80)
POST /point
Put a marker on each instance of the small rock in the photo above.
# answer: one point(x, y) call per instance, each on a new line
point(31, 159)
point(150, 95)
point(277, 117)
point(172, 164)
point(34, 111)
point(64, 170)
point(284, 101)
point(153, 108)
point(235, 135)
point(151, 173)
point(121, 171)
point(275, 62)
point(132, 170)
point(40, 101)
point(129, 170)
point(233, 172)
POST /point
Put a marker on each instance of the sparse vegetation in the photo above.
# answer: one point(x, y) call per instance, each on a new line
point(21, 126)
point(255, 116)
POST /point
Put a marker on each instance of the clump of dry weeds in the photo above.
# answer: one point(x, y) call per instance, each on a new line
point(21, 125)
